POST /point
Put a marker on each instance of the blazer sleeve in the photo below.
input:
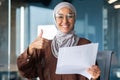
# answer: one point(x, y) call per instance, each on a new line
point(27, 64)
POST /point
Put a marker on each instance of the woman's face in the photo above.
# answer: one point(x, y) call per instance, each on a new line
point(65, 20)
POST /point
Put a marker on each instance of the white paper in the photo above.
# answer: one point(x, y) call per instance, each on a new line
point(49, 31)
point(77, 59)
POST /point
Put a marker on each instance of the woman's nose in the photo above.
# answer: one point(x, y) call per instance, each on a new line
point(65, 20)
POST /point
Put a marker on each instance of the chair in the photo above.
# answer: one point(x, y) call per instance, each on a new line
point(104, 62)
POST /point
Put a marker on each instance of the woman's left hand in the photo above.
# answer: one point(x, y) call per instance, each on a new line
point(94, 71)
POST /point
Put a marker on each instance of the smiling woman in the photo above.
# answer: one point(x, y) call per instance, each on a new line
point(65, 20)
point(65, 17)
point(40, 58)
point(101, 25)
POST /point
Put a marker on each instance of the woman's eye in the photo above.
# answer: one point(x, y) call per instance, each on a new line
point(60, 16)
point(70, 16)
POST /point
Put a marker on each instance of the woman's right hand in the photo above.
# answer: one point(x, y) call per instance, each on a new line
point(38, 43)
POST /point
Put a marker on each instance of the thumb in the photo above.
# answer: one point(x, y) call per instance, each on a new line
point(41, 33)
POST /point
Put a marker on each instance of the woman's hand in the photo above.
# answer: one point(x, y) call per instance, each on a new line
point(38, 43)
point(94, 71)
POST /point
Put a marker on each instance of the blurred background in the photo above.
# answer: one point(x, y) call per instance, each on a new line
point(97, 20)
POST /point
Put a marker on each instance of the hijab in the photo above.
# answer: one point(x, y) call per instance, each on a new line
point(61, 39)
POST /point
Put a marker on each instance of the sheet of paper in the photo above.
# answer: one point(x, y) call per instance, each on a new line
point(49, 31)
point(77, 59)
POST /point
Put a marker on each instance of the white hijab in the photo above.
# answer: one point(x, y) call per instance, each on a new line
point(61, 39)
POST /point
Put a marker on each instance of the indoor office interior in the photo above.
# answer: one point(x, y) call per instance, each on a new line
point(20, 21)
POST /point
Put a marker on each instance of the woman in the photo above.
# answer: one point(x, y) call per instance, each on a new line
point(40, 58)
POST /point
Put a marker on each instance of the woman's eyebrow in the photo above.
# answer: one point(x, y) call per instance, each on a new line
point(63, 14)
point(60, 13)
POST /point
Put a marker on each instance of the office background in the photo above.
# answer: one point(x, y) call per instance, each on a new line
point(97, 20)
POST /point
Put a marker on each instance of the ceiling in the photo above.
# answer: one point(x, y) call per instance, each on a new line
point(45, 2)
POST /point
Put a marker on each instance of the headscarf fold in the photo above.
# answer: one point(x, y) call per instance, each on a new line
point(61, 39)
point(64, 4)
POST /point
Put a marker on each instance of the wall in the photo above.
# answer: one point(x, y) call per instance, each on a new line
point(4, 33)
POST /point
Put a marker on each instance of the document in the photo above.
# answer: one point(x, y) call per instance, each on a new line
point(49, 31)
point(77, 59)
